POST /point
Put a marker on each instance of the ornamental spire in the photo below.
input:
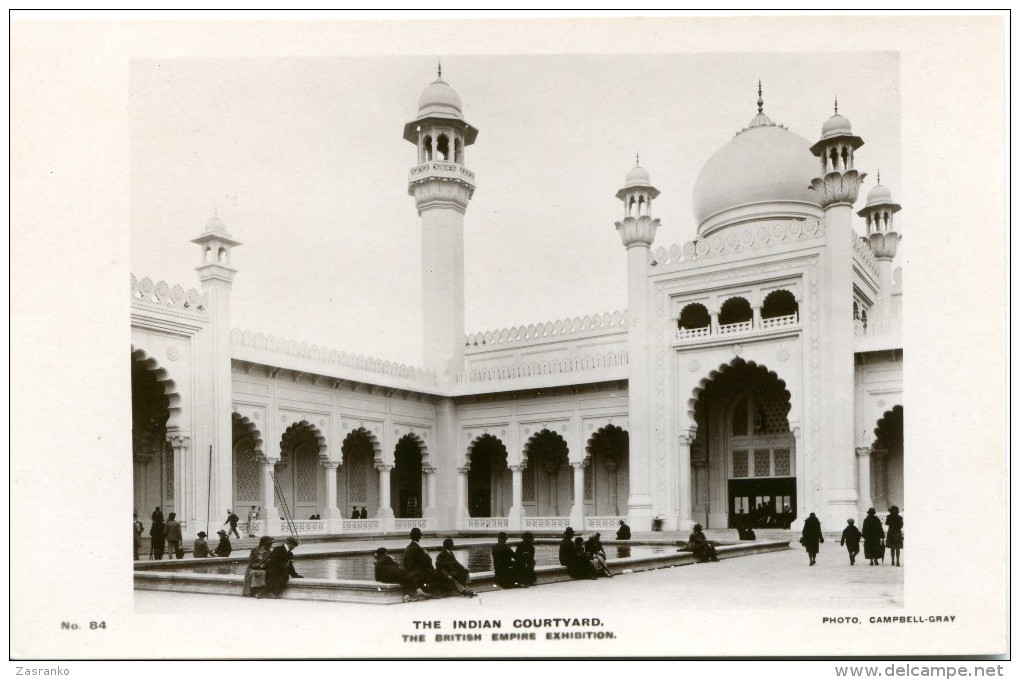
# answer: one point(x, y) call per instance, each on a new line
point(439, 70)
point(637, 159)
point(760, 102)
point(835, 106)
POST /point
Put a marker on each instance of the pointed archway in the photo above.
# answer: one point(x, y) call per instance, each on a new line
point(153, 401)
point(548, 478)
point(406, 491)
point(357, 478)
point(887, 461)
point(489, 480)
point(606, 479)
point(743, 458)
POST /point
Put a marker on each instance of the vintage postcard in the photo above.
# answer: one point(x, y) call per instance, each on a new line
point(670, 336)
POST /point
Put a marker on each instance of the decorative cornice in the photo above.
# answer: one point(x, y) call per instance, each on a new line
point(589, 362)
point(838, 187)
point(753, 238)
point(162, 295)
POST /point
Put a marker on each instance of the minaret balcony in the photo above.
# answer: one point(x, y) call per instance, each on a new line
point(441, 170)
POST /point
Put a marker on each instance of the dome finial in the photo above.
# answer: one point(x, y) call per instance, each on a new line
point(760, 102)
point(637, 159)
point(835, 106)
point(439, 69)
point(879, 178)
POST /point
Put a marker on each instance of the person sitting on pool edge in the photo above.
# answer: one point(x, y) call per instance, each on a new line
point(280, 568)
point(580, 565)
point(503, 563)
point(418, 562)
point(388, 571)
point(452, 574)
point(524, 560)
point(567, 546)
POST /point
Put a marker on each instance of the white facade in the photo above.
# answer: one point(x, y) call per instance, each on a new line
point(758, 366)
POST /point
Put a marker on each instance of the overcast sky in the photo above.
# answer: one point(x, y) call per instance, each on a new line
point(304, 160)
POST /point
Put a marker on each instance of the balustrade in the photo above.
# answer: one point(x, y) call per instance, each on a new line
point(741, 328)
point(488, 523)
point(406, 524)
point(603, 523)
point(361, 525)
point(546, 522)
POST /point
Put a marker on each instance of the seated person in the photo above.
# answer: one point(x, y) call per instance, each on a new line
point(703, 549)
point(223, 548)
point(524, 559)
point(567, 546)
point(597, 554)
point(503, 562)
point(388, 571)
point(452, 574)
point(201, 546)
point(418, 562)
point(579, 565)
point(280, 568)
point(623, 533)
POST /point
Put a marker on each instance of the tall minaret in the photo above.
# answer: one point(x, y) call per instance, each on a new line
point(217, 277)
point(637, 231)
point(884, 240)
point(442, 186)
point(837, 186)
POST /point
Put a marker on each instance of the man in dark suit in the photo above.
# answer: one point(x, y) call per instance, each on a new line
point(417, 562)
point(567, 546)
point(623, 533)
point(503, 562)
point(280, 568)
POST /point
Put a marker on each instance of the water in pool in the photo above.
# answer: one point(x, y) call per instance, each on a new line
point(476, 558)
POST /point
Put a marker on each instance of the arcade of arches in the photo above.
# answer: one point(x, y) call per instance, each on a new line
point(743, 458)
point(153, 457)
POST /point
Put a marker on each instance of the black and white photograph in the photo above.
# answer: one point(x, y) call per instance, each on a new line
point(443, 337)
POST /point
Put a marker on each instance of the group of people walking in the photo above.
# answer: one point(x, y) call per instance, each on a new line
point(876, 539)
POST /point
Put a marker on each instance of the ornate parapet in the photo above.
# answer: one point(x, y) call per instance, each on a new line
point(752, 238)
point(441, 184)
point(549, 329)
point(162, 295)
point(838, 187)
point(589, 362)
point(270, 343)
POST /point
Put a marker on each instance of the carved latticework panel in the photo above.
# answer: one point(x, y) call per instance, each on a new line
point(168, 472)
point(740, 463)
point(782, 462)
point(358, 480)
point(761, 462)
point(246, 472)
point(528, 485)
point(304, 474)
point(589, 483)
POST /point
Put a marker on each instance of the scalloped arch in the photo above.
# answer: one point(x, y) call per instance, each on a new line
point(893, 418)
point(169, 386)
point(249, 429)
point(605, 429)
point(735, 363)
point(477, 440)
point(526, 452)
point(423, 448)
point(294, 428)
point(377, 452)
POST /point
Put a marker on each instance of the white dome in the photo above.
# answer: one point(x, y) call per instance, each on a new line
point(837, 125)
point(638, 177)
point(762, 164)
point(878, 195)
point(439, 99)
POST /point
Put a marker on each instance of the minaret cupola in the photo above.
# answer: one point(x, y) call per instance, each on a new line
point(878, 214)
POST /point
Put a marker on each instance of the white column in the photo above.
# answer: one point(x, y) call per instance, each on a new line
point(430, 483)
point(577, 510)
point(863, 479)
point(181, 445)
point(715, 322)
point(516, 517)
point(685, 516)
point(756, 318)
point(331, 513)
point(269, 514)
point(462, 492)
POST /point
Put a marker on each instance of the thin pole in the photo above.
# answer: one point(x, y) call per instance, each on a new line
point(208, 495)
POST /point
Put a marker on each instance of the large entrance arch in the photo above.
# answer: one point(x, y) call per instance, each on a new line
point(297, 473)
point(153, 457)
point(887, 465)
point(357, 479)
point(548, 480)
point(489, 480)
point(406, 491)
point(743, 458)
point(606, 479)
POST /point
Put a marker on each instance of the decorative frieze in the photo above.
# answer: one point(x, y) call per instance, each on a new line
point(591, 362)
point(163, 295)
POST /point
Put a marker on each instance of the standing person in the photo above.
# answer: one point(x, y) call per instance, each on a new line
point(579, 565)
point(255, 574)
point(418, 562)
point(137, 528)
point(852, 539)
point(524, 558)
point(597, 554)
point(223, 548)
point(623, 533)
point(173, 536)
point(232, 520)
point(354, 512)
point(388, 571)
point(503, 562)
point(811, 536)
point(253, 515)
point(157, 535)
point(567, 546)
point(201, 546)
point(871, 530)
point(280, 568)
point(894, 537)
point(453, 573)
